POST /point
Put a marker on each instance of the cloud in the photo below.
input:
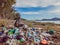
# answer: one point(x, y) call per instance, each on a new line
point(57, 4)
point(26, 3)
point(47, 6)
point(29, 12)
point(45, 3)
point(35, 3)
point(55, 11)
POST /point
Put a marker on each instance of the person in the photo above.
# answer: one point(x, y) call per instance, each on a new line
point(17, 22)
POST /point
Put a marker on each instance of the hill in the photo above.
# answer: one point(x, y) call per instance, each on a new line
point(52, 19)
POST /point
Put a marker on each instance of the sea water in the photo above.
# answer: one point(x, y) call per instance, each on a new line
point(56, 22)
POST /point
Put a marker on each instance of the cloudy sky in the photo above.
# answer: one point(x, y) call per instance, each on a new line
point(38, 9)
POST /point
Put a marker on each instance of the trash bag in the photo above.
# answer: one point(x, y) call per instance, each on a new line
point(4, 28)
point(16, 30)
point(51, 31)
point(12, 31)
point(9, 33)
point(33, 29)
point(18, 37)
point(1, 33)
point(21, 40)
point(37, 40)
point(29, 34)
point(44, 42)
point(5, 38)
point(14, 36)
point(45, 34)
point(1, 40)
point(46, 38)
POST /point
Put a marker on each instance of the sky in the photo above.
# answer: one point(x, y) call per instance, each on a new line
point(38, 9)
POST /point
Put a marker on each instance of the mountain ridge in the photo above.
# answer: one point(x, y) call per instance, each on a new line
point(52, 19)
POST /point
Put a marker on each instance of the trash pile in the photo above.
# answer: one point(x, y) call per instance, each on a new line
point(23, 35)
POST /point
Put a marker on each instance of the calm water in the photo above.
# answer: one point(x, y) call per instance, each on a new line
point(57, 22)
